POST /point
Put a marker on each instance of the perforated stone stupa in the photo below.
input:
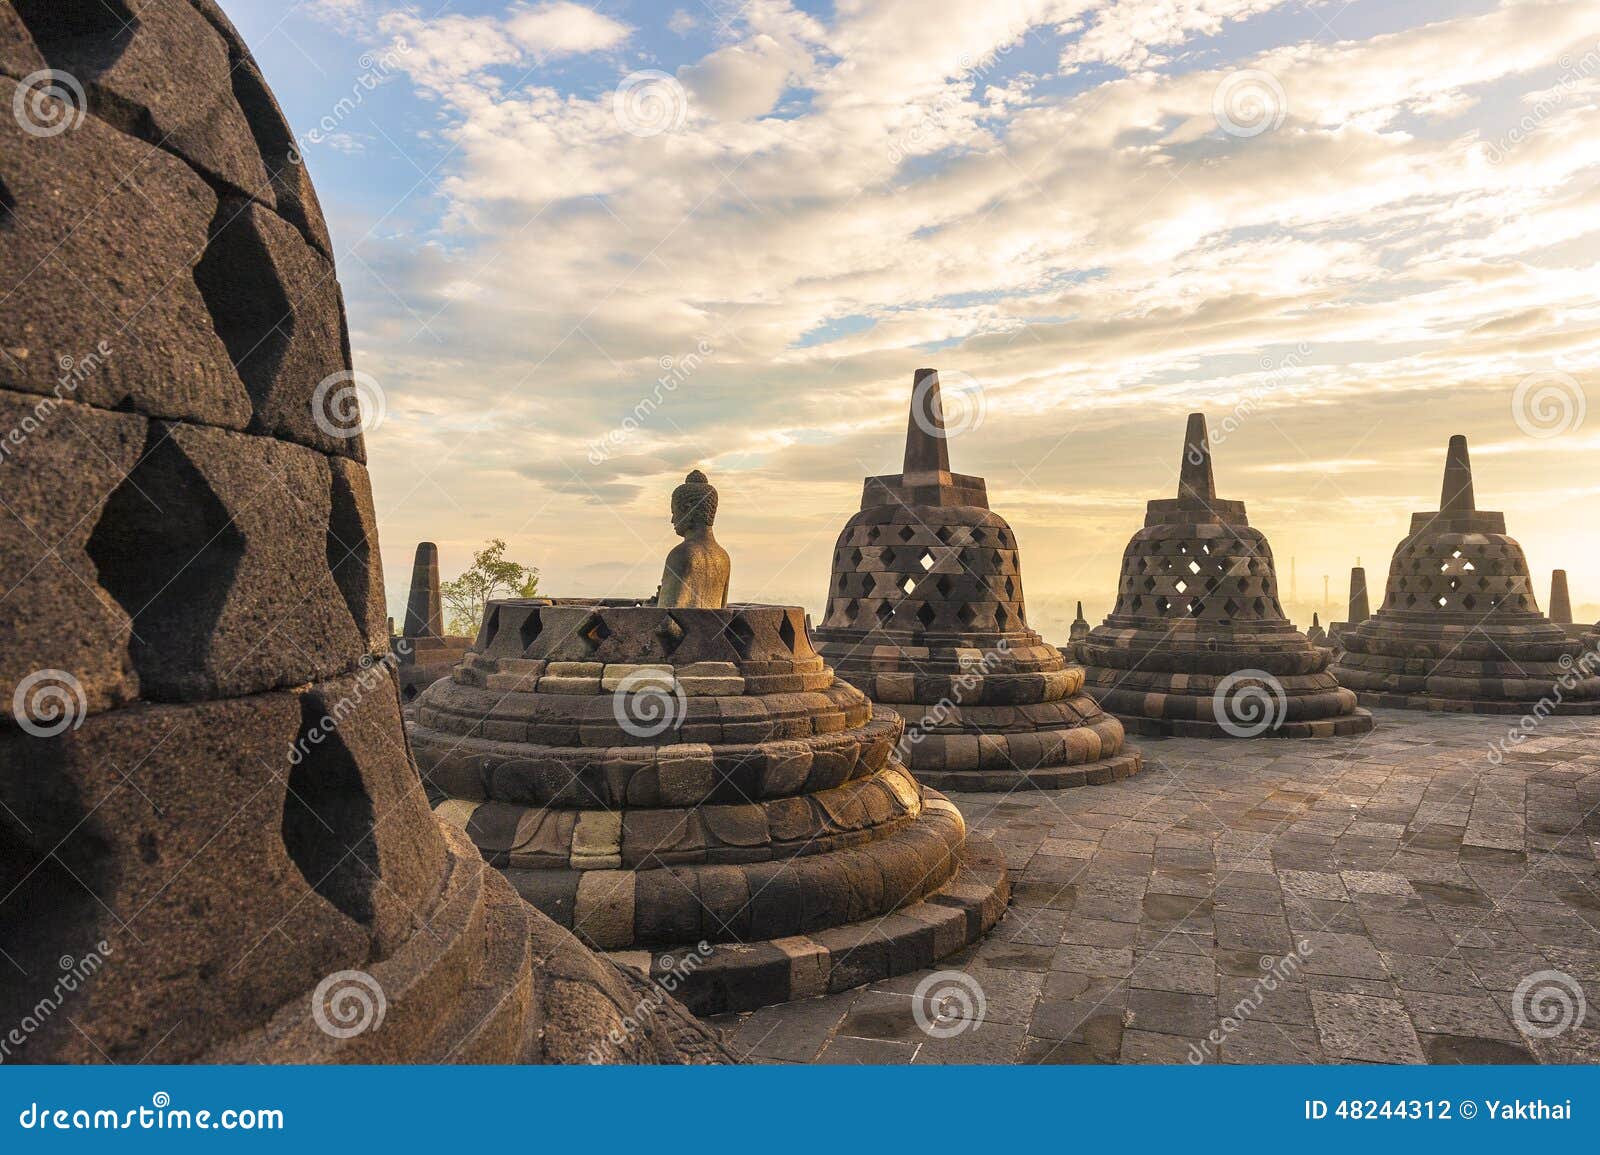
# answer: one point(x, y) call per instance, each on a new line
point(661, 777)
point(208, 817)
point(424, 652)
point(925, 614)
point(1459, 628)
point(1198, 644)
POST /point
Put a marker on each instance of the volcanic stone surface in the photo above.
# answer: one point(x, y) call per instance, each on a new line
point(1198, 644)
point(925, 614)
point(424, 652)
point(1459, 628)
point(209, 820)
point(692, 788)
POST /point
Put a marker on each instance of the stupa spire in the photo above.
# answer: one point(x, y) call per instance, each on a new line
point(1194, 479)
point(927, 445)
point(424, 612)
point(1457, 494)
point(1560, 601)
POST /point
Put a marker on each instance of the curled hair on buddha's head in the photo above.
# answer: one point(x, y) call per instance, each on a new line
point(694, 503)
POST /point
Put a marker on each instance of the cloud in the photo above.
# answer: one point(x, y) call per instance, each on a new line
point(742, 81)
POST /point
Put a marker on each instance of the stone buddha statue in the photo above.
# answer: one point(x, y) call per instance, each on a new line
point(697, 569)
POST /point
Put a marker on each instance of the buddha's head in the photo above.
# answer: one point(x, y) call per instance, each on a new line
point(694, 504)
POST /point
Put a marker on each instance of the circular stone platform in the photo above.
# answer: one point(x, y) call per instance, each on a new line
point(657, 779)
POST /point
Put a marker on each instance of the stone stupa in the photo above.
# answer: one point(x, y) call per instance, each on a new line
point(1561, 605)
point(1198, 644)
point(209, 821)
point(1459, 629)
point(925, 614)
point(423, 652)
point(666, 773)
point(1358, 609)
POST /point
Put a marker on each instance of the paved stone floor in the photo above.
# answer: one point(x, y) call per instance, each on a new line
point(1398, 886)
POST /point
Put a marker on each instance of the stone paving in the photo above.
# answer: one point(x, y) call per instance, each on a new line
point(1399, 886)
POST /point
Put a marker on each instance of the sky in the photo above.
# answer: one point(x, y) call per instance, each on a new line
point(588, 247)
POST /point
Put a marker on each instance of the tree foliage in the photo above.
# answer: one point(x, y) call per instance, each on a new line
point(490, 576)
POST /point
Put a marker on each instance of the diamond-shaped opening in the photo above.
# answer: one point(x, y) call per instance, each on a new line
point(1260, 607)
point(884, 612)
point(786, 633)
point(1149, 585)
point(855, 559)
point(594, 631)
point(926, 614)
point(843, 583)
point(741, 635)
point(671, 633)
point(872, 534)
point(349, 552)
point(1183, 586)
point(1135, 603)
point(926, 560)
point(907, 533)
point(944, 534)
point(1470, 602)
point(1011, 588)
point(1196, 607)
point(1468, 567)
point(944, 585)
point(1162, 604)
point(327, 814)
point(1205, 548)
point(1002, 618)
point(886, 555)
point(1411, 601)
point(1441, 601)
point(1494, 603)
point(1230, 607)
point(491, 627)
point(851, 609)
point(168, 552)
point(530, 629)
point(1455, 553)
point(967, 615)
point(907, 585)
point(1194, 567)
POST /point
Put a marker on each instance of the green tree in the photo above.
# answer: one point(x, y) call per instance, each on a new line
point(490, 576)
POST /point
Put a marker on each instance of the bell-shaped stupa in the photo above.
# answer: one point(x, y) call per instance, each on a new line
point(1198, 644)
point(1459, 628)
point(925, 614)
point(685, 783)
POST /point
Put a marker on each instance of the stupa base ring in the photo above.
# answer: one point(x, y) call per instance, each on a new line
point(1007, 777)
point(730, 977)
point(1344, 726)
point(1488, 706)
